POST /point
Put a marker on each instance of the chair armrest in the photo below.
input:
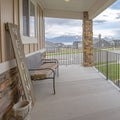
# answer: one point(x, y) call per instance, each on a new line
point(50, 61)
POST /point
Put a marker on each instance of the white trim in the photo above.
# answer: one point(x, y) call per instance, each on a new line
point(28, 40)
point(5, 66)
point(41, 51)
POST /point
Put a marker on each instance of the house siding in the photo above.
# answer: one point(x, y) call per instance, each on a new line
point(10, 83)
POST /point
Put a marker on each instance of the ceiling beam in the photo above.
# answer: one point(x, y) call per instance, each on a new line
point(63, 14)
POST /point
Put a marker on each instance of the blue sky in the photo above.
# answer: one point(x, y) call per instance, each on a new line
point(107, 24)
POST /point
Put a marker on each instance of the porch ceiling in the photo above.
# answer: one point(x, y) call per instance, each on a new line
point(74, 8)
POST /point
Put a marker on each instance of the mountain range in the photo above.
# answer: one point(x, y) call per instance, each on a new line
point(72, 38)
point(65, 39)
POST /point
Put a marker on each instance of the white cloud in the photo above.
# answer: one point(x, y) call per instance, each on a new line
point(109, 15)
point(65, 28)
point(104, 33)
point(106, 24)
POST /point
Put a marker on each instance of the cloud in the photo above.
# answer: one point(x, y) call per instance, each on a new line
point(58, 21)
point(107, 24)
point(109, 15)
point(118, 17)
point(113, 32)
point(55, 27)
point(104, 32)
point(117, 33)
point(55, 31)
point(99, 21)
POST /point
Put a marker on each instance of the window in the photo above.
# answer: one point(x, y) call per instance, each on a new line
point(25, 17)
point(32, 20)
point(28, 18)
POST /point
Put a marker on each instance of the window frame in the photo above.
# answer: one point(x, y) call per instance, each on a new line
point(27, 39)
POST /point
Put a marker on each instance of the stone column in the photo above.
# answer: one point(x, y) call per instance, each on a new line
point(87, 40)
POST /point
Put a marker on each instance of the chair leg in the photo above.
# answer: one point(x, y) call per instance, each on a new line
point(58, 72)
point(54, 83)
point(54, 86)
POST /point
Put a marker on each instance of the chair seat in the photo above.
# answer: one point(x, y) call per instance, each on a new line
point(40, 74)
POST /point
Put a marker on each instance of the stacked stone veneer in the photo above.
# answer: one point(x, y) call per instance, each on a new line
point(87, 40)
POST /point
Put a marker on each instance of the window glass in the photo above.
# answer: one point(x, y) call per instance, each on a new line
point(28, 18)
point(25, 17)
point(32, 20)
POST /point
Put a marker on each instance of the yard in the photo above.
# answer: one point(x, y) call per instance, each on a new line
point(63, 51)
point(112, 70)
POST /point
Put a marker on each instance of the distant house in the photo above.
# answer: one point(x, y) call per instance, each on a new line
point(112, 43)
point(60, 45)
point(95, 40)
point(68, 46)
point(51, 47)
point(77, 44)
point(115, 43)
point(102, 44)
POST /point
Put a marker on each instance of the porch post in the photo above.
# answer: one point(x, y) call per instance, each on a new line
point(87, 40)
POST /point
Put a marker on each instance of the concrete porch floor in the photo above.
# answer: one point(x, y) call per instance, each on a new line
point(81, 94)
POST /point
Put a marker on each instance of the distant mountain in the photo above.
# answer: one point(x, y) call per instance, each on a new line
point(65, 39)
point(50, 44)
point(72, 38)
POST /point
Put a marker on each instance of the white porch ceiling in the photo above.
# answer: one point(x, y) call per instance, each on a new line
point(74, 8)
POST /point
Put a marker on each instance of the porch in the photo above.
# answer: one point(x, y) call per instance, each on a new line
point(81, 94)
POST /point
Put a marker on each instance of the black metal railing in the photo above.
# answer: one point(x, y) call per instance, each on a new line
point(65, 55)
point(108, 63)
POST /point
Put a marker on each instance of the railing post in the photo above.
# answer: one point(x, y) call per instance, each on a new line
point(118, 72)
point(107, 62)
point(98, 59)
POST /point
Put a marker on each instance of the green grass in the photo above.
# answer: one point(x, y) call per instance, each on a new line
point(109, 49)
point(64, 51)
point(113, 70)
point(103, 63)
point(106, 49)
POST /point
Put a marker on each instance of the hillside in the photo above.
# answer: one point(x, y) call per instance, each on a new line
point(64, 39)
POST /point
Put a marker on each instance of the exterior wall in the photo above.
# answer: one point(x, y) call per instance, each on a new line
point(9, 79)
point(7, 8)
point(9, 92)
point(87, 41)
point(0, 36)
point(10, 84)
